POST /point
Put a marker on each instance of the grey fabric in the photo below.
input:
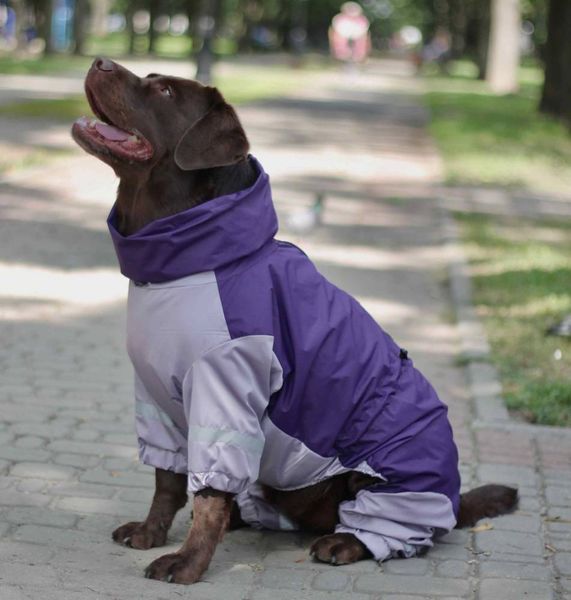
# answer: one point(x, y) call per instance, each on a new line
point(255, 511)
point(396, 524)
point(226, 392)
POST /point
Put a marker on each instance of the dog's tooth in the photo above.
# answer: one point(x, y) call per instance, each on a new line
point(133, 138)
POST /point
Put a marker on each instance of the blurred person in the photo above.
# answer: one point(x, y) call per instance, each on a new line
point(349, 37)
point(437, 51)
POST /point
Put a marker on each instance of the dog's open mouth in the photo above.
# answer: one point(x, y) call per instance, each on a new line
point(99, 135)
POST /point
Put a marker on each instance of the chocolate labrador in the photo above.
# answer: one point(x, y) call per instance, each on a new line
point(272, 423)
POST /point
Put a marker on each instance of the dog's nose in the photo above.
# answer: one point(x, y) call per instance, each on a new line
point(104, 64)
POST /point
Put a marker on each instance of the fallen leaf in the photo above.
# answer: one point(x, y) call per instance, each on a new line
point(482, 527)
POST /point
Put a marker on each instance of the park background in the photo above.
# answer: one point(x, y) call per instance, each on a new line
point(499, 96)
point(434, 187)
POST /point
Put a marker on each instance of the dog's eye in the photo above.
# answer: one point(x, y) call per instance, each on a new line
point(166, 91)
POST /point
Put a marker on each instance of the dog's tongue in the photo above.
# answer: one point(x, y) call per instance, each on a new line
point(111, 133)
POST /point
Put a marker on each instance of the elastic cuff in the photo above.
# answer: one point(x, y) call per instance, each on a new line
point(162, 459)
point(217, 481)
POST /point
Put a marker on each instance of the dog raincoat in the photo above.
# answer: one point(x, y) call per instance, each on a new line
point(251, 367)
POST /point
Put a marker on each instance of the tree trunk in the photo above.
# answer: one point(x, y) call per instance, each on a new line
point(483, 17)
point(206, 31)
point(556, 96)
point(504, 48)
point(79, 16)
point(459, 24)
point(153, 14)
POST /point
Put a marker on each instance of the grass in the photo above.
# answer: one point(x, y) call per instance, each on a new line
point(497, 140)
point(522, 285)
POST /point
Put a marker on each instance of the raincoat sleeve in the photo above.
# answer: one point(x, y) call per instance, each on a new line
point(225, 393)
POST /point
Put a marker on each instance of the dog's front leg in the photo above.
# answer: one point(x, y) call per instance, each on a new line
point(170, 496)
point(210, 521)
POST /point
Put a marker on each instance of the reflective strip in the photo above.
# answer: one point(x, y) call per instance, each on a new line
point(210, 435)
point(153, 413)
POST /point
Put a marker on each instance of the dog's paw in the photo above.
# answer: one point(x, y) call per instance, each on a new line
point(174, 568)
point(338, 549)
point(140, 535)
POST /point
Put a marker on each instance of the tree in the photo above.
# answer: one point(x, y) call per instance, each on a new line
point(504, 48)
point(556, 96)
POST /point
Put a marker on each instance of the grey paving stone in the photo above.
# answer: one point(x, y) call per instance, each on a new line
point(562, 561)
point(42, 471)
point(40, 516)
point(4, 528)
point(288, 579)
point(507, 474)
point(457, 536)
point(24, 454)
point(512, 542)
point(48, 430)
point(558, 495)
point(6, 438)
point(331, 581)
point(94, 448)
point(104, 524)
point(83, 461)
point(54, 536)
point(507, 570)
point(239, 574)
point(86, 435)
point(526, 559)
point(518, 522)
point(454, 551)
point(118, 478)
point(29, 441)
point(30, 574)
point(510, 589)
point(14, 498)
point(120, 464)
point(410, 584)
point(17, 552)
point(32, 485)
point(452, 568)
point(272, 594)
point(135, 511)
point(83, 490)
point(137, 495)
point(408, 566)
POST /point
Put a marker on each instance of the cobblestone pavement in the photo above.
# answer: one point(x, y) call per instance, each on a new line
point(67, 448)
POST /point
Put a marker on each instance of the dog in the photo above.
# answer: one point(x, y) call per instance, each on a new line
point(261, 388)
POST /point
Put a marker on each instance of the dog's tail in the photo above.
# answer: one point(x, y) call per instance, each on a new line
point(486, 501)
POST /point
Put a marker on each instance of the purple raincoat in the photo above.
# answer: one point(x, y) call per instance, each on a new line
point(250, 367)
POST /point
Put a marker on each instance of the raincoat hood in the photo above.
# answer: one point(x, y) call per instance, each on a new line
point(203, 238)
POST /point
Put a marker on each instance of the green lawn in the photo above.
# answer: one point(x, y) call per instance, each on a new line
point(497, 140)
point(522, 285)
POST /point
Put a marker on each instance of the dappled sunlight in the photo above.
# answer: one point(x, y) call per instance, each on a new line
point(38, 293)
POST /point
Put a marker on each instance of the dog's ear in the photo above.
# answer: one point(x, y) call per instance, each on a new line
point(217, 139)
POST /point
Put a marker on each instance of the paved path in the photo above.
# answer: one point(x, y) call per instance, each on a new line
point(67, 448)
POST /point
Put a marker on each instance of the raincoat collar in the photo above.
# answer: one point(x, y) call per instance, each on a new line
point(203, 238)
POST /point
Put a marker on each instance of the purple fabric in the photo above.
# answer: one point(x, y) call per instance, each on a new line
point(347, 392)
point(202, 238)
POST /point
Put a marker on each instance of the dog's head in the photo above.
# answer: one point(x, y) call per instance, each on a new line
point(144, 122)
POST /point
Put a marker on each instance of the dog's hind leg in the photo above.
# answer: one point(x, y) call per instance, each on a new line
point(170, 496)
